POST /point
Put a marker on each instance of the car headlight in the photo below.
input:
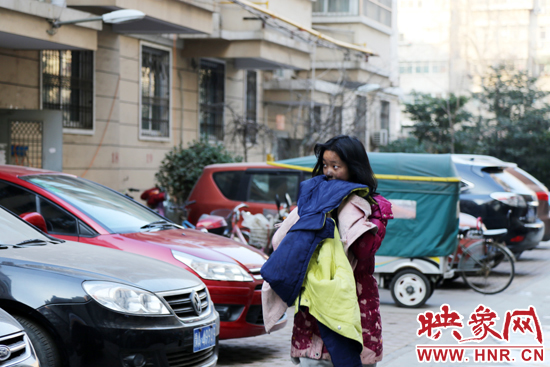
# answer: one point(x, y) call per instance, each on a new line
point(214, 270)
point(124, 298)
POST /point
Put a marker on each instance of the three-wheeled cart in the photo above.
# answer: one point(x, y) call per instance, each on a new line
point(424, 192)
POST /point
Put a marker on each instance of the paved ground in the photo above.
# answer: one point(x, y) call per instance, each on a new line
point(530, 287)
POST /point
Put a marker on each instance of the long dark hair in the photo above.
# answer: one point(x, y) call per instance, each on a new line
point(353, 153)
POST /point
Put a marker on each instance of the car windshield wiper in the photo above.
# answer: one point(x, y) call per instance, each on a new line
point(26, 243)
point(33, 242)
point(163, 224)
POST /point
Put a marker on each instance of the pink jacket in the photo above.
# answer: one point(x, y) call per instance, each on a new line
point(363, 226)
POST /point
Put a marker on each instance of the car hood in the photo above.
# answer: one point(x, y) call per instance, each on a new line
point(204, 245)
point(88, 262)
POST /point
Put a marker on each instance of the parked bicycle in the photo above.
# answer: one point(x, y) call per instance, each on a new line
point(485, 264)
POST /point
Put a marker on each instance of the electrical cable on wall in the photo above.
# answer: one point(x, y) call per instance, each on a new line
point(106, 127)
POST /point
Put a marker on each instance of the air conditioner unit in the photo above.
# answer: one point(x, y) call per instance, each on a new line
point(380, 137)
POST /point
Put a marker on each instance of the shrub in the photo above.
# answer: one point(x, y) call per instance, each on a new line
point(181, 168)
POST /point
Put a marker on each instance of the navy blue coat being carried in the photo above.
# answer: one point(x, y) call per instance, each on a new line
point(286, 268)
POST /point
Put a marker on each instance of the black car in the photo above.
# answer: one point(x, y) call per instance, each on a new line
point(500, 199)
point(15, 347)
point(85, 305)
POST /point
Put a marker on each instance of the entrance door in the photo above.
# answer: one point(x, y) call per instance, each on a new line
point(32, 138)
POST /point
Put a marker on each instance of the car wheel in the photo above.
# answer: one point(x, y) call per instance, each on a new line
point(517, 254)
point(410, 288)
point(42, 341)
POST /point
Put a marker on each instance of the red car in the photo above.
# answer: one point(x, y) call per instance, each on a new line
point(224, 186)
point(542, 196)
point(80, 210)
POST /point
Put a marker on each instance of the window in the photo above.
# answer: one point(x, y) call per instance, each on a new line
point(336, 121)
point(325, 7)
point(155, 93)
point(68, 85)
point(19, 201)
point(58, 221)
point(378, 10)
point(113, 211)
point(230, 184)
point(360, 122)
point(264, 186)
point(251, 105)
point(316, 122)
point(16, 199)
point(288, 148)
point(211, 99)
point(422, 67)
point(405, 68)
point(384, 115)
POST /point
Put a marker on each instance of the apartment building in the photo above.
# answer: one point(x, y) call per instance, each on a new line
point(107, 101)
point(447, 46)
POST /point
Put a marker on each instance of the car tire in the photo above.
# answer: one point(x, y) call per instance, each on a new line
point(410, 288)
point(517, 254)
point(42, 341)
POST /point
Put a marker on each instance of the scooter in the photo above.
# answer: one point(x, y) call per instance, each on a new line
point(224, 222)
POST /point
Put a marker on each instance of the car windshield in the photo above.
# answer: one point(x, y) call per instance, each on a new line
point(14, 231)
point(113, 211)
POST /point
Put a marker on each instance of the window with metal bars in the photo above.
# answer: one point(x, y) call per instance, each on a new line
point(211, 99)
point(155, 92)
point(251, 105)
point(68, 85)
point(360, 121)
point(384, 115)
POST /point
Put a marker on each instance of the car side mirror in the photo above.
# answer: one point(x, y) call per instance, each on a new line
point(36, 219)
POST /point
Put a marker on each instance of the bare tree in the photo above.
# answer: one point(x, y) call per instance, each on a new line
point(245, 132)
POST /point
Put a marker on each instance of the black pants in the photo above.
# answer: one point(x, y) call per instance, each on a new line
point(344, 352)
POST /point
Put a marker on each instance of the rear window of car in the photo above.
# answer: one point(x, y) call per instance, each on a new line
point(510, 183)
point(476, 182)
point(481, 181)
point(264, 186)
point(229, 183)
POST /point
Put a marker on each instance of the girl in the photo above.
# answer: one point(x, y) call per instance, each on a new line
point(361, 223)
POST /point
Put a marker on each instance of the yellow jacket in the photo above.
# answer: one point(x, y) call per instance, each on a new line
point(329, 289)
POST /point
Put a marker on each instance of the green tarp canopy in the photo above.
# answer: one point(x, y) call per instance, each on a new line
point(424, 191)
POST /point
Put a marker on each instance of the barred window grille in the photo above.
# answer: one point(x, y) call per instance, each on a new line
point(211, 99)
point(251, 106)
point(68, 85)
point(384, 115)
point(155, 92)
point(360, 122)
point(26, 143)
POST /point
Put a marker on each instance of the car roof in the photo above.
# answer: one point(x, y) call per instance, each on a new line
point(12, 170)
point(481, 160)
point(239, 165)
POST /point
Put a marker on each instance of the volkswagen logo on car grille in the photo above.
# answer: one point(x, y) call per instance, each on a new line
point(5, 352)
point(196, 302)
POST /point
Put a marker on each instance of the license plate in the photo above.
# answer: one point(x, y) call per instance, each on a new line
point(204, 337)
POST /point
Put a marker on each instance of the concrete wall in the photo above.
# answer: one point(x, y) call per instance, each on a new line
point(233, 16)
point(124, 159)
point(19, 79)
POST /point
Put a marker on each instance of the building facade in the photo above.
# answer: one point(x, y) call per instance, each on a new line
point(108, 101)
point(448, 46)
